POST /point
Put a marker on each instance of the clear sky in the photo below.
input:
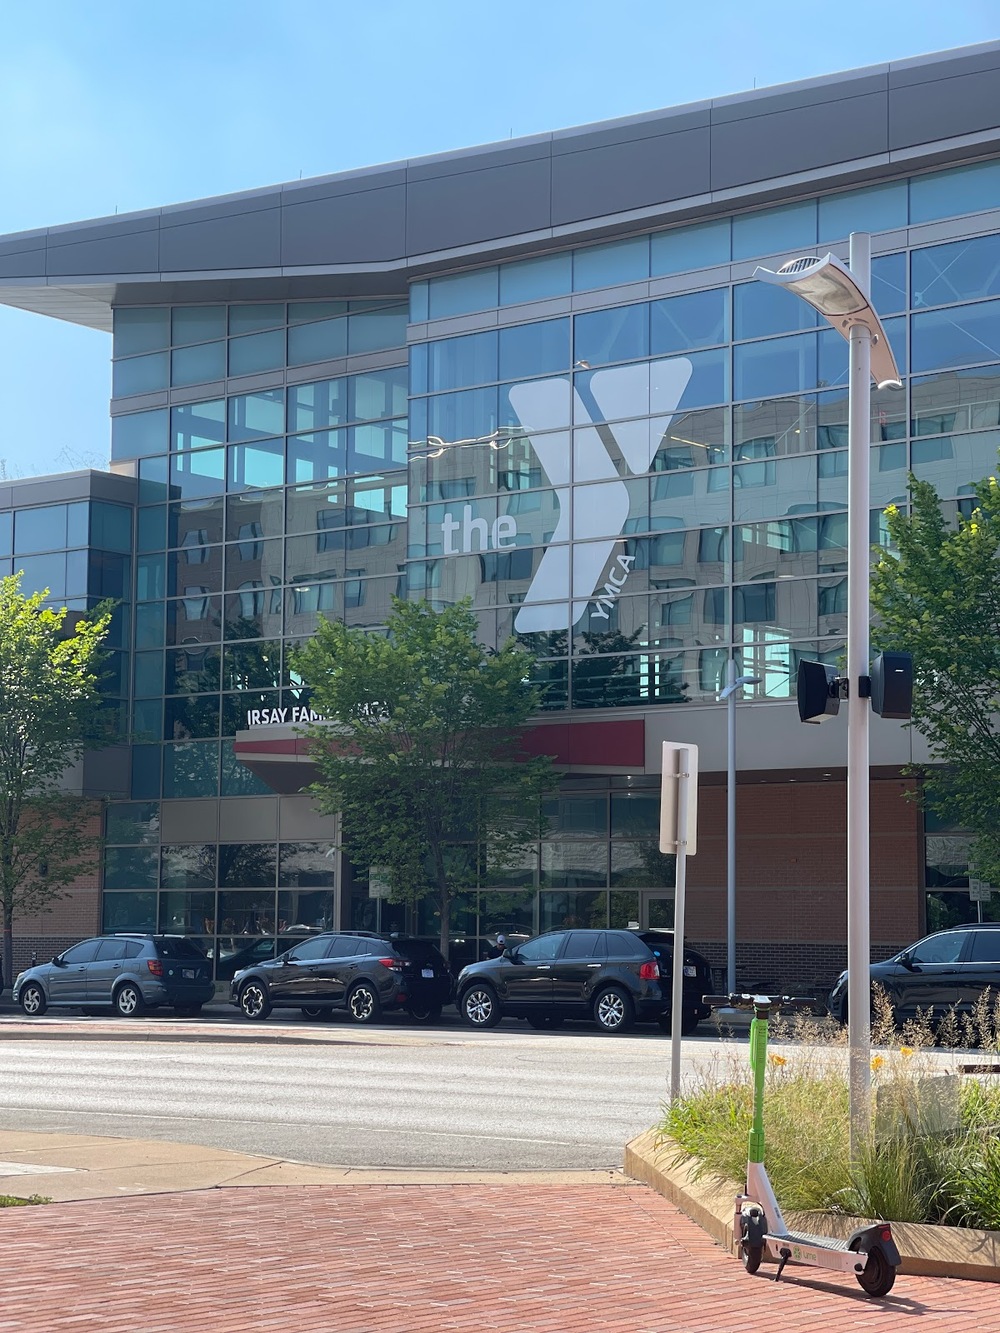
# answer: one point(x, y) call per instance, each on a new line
point(115, 105)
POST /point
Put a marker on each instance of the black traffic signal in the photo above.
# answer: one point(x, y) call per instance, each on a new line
point(892, 685)
point(817, 691)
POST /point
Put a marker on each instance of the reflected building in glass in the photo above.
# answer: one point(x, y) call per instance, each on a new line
point(539, 376)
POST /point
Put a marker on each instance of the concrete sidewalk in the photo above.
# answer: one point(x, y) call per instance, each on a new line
point(169, 1236)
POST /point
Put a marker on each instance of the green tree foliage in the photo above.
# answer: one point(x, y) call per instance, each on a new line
point(424, 761)
point(50, 712)
point(937, 596)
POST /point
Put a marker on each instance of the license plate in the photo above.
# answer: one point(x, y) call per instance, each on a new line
point(189, 974)
point(690, 971)
point(427, 971)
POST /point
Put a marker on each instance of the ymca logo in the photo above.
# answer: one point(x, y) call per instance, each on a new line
point(592, 516)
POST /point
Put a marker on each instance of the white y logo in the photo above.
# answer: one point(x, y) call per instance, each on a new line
point(594, 514)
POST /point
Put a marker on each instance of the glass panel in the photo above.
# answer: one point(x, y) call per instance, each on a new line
point(197, 323)
point(250, 318)
point(193, 669)
point(42, 529)
point(191, 717)
point(761, 311)
point(619, 334)
point(962, 271)
point(377, 394)
point(459, 293)
point(777, 366)
point(43, 572)
point(586, 910)
point(954, 465)
point(690, 440)
point(133, 823)
point(577, 816)
point(634, 813)
point(958, 336)
point(785, 487)
point(190, 866)
point(686, 499)
point(128, 911)
point(197, 474)
point(317, 456)
point(101, 574)
point(875, 208)
point(321, 341)
point(254, 515)
point(258, 465)
point(299, 911)
point(642, 865)
point(247, 865)
point(247, 913)
point(889, 284)
point(191, 769)
point(130, 867)
point(139, 434)
point(955, 402)
point(307, 864)
point(418, 301)
point(773, 230)
point(187, 913)
point(195, 425)
point(139, 374)
point(301, 312)
point(684, 248)
point(466, 415)
point(680, 323)
point(315, 406)
point(375, 329)
point(142, 329)
point(535, 279)
point(237, 780)
point(110, 526)
point(151, 529)
point(535, 349)
point(253, 415)
point(198, 365)
point(377, 445)
point(454, 363)
point(947, 194)
point(608, 265)
point(145, 771)
point(194, 525)
point(784, 548)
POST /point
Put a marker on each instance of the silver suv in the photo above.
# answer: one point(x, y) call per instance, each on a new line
point(129, 973)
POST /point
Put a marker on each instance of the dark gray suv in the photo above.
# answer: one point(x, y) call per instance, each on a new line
point(129, 973)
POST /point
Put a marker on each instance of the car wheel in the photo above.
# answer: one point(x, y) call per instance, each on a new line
point(187, 1010)
point(545, 1022)
point(254, 1003)
point(423, 1011)
point(480, 1007)
point(363, 1003)
point(128, 1000)
point(313, 1011)
point(613, 1010)
point(33, 1000)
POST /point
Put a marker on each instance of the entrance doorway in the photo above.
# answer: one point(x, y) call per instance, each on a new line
point(656, 908)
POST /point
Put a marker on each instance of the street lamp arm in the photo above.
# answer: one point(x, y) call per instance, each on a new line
point(738, 684)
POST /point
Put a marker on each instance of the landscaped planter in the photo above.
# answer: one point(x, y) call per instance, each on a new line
point(930, 1251)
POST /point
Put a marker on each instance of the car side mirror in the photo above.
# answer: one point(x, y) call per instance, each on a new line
point(906, 959)
point(511, 954)
point(58, 962)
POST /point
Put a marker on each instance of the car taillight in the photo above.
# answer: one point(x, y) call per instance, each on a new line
point(155, 966)
point(649, 971)
point(393, 964)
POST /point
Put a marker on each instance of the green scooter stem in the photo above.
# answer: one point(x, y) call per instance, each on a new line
point(758, 1064)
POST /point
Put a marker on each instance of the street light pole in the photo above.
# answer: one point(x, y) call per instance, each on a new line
point(733, 683)
point(858, 616)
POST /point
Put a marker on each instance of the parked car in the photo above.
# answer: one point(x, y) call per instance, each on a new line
point(947, 970)
point(130, 973)
point(363, 973)
point(616, 977)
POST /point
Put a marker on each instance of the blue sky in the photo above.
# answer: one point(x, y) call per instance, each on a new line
point(115, 105)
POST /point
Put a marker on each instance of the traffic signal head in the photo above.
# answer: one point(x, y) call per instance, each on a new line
point(892, 685)
point(817, 692)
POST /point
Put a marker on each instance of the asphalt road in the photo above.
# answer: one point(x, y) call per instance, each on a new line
point(509, 1099)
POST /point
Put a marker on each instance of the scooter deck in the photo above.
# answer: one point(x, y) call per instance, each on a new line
point(807, 1238)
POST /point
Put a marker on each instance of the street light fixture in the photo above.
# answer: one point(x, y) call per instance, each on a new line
point(728, 693)
point(841, 295)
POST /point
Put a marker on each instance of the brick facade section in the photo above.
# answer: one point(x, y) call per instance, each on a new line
point(72, 917)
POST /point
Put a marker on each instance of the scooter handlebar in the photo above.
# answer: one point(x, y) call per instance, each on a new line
point(745, 1001)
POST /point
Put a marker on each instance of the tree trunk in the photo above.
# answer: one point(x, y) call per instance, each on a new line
point(445, 901)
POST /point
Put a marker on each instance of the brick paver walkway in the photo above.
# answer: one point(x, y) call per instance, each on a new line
point(416, 1258)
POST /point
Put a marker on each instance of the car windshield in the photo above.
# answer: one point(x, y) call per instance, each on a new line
point(177, 947)
point(419, 951)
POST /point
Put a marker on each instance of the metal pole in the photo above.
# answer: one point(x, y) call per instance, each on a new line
point(677, 978)
point(858, 613)
point(731, 829)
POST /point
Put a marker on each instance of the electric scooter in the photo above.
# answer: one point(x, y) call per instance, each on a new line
point(869, 1253)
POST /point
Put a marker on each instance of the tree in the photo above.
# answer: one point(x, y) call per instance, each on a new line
point(425, 764)
point(937, 596)
point(50, 712)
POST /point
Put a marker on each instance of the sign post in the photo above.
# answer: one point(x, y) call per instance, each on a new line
point(678, 834)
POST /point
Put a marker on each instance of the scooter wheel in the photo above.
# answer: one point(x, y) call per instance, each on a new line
point(752, 1256)
point(878, 1274)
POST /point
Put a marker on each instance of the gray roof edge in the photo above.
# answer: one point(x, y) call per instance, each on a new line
point(374, 171)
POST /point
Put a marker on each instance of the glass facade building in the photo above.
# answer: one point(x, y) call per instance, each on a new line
point(624, 450)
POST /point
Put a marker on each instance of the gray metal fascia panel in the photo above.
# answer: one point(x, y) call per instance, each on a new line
point(245, 240)
point(136, 252)
point(477, 206)
point(966, 60)
point(363, 227)
point(452, 164)
point(22, 264)
point(921, 113)
point(333, 187)
point(779, 144)
point(654, 124)
point(109, 228)
point(827, 92)
point(638, 174)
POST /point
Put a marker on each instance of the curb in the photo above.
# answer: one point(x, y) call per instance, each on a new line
point(926, 1251)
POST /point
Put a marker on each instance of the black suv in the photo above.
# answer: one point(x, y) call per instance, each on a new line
point(948, 970)
point(131, 973)
point(616, 977)
point(363, 973)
